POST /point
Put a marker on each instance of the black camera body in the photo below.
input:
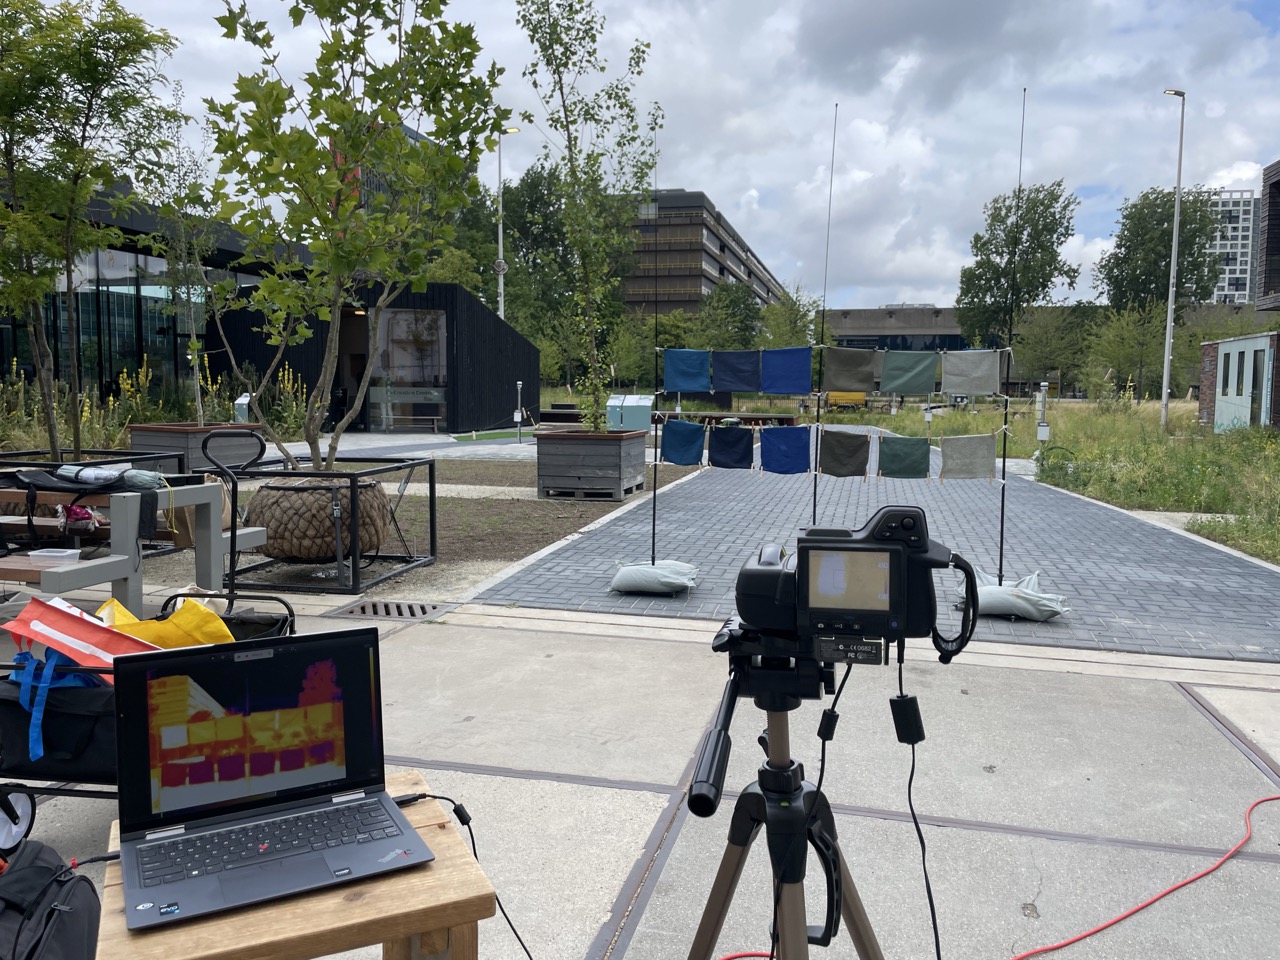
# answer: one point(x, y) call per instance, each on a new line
point(844, 594)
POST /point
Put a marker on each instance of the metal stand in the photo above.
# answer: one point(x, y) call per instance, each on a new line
point(790, 809)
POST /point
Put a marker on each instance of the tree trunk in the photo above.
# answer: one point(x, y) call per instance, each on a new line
point(73, 352)
point(318, 402)
point(43, 358)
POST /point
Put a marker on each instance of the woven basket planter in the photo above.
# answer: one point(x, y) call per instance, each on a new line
point(298, 517)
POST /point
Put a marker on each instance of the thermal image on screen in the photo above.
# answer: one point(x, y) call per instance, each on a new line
point(211, 745)
point(849, 580)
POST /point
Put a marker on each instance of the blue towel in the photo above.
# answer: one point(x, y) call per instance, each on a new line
point(735, 371)
point(730, 447)
point(682, 442)
point(787, 370)
point(686, 371)
point(784, 449)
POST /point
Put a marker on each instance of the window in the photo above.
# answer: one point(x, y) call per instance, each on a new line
point(1226, 366)
point(1240, 374)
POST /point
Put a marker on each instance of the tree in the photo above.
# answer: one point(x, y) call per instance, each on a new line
point(632, 346)
point(455, 266)
point(1052, 341)
point(1135, 273)
point(604, 158)
point(1128, 346)
point(352, 181)
point(790, 321)
point(91, 117)
point(1017, 259)
point(728, 319)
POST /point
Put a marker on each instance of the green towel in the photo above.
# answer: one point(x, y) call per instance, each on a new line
point(906, 458)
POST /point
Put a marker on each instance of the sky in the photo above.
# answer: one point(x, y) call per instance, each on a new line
point(919, 101)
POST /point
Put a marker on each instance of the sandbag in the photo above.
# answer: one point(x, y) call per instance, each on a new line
point(665, 576)
point(1015, 598)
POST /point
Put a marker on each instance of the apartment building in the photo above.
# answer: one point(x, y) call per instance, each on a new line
point(685, 249)
point(1237, 244)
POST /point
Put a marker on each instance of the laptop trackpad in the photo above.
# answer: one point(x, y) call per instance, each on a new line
point(273, 879)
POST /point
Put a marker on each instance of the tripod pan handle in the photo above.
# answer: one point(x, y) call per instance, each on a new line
point(708, 774)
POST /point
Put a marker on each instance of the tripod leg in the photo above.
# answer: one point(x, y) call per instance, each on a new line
point(855, 916)
point(793, 934)
point(726, 882)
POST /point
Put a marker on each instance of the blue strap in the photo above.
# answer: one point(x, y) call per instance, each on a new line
point(35, 734)
point(25, 677)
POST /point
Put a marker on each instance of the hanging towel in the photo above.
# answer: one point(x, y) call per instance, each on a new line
point(686, 371)
point(735, 371)
point(787, 370)
point(730, 447)
point(906, 458)
point(784, 449)
point(969, 458)
point(847, 369)
point(844, 454)
point(908, 371)
point(682, 442)
point(974, 373)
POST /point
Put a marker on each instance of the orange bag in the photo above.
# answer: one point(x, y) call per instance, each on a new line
point(75, 634)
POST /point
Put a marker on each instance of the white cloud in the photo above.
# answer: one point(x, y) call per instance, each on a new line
point(930, 96)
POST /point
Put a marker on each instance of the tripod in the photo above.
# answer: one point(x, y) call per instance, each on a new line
point(790, 809)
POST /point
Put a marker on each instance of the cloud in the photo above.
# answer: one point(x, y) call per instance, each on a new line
point(929, 123)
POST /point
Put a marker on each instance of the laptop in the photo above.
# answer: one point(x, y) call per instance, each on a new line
point(251, 771)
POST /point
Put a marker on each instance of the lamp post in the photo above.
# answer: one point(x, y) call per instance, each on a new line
point(501, 265)
point(1173, 264)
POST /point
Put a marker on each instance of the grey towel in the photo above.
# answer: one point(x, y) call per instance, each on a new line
point(844, 454)
point(848, 369)
point(971, 372)
point(969, 458)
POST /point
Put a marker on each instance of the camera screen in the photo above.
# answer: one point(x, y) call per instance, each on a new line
point(849, 580)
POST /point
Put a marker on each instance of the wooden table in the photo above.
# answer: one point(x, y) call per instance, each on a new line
point(421, 913)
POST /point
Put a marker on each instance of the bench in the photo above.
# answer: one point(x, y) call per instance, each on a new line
point(122, 568)
point(746, 419)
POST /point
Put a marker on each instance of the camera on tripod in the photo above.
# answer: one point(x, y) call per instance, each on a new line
point(845, 595)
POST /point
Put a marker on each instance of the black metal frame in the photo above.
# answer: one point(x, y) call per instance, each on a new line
point(349, 569)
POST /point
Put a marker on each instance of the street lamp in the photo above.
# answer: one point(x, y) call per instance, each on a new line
point(1173, 264)
point(501, 265)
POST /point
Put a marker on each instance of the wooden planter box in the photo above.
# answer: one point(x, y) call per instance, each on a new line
point(187, 438)
point(591, 466)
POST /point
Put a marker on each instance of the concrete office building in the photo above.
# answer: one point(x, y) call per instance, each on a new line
point(685, 249)
point(1236, 244)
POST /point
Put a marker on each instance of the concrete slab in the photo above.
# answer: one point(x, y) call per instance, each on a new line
point(1253, 715)
point(996, 895)
point(621, 709)
point(1036, 749)
point(558, 855)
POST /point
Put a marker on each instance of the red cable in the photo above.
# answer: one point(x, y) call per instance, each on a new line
point(1248, 832)
point(741, 956)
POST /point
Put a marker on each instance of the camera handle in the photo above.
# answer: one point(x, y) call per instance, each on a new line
point(949, 647)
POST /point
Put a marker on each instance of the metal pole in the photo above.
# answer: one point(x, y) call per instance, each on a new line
point(502, 291)
point(519, 407)
point(1173, 266)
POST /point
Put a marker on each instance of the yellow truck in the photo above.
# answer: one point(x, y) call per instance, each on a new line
point(842, 399)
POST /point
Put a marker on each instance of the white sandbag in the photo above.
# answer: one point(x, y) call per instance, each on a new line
point(1017, 598)
point(665, 576)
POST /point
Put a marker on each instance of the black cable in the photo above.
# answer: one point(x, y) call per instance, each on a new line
point(822, 772)
point(464, 818)
point(924, 865)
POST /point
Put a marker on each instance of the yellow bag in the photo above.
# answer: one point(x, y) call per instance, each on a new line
point(192, 624)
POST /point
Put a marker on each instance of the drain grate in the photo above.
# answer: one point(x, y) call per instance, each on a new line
point(392, 610)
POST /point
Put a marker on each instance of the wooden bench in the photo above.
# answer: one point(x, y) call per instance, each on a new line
point(746, 419)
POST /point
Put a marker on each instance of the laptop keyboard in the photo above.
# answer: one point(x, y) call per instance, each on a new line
point(172, 860)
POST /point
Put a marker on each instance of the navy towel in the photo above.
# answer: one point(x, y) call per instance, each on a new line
point(784, 449)
point(730, 447)
point(735, 371)
point(787, 370)
point(686, 371)
point(682, 442)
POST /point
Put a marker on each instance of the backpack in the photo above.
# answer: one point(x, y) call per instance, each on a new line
point(47, 910)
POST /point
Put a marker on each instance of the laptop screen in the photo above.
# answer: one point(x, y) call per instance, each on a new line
point(213, 731)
